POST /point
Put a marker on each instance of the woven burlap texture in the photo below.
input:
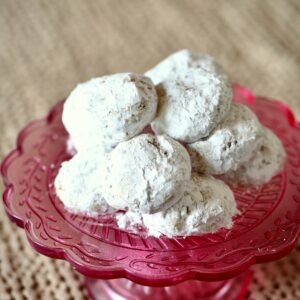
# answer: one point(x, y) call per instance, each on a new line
point(46, 47)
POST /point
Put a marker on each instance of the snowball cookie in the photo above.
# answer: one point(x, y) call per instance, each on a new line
point(146, 173)
point(266, 162)
point(77, 183)
point(191, 104)
point(107, 110)
point(207, 205)
point(230, 144)
point(183, 59)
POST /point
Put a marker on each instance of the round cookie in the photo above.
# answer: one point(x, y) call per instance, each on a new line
point(265, 163)
point(207, 205)
point(145, 174)
point(107, 110)
point(77, 183)
point(181, 60)
point(191, 104)
point(231, 143)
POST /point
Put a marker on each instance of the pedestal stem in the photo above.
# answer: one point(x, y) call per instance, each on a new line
point(123, 289)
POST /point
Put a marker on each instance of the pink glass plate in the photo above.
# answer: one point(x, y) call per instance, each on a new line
point(267, 228)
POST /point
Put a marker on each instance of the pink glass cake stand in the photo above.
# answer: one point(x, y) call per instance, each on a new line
point(211, 266)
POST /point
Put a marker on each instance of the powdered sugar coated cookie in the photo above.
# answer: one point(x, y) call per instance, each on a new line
point(231, 143)
point(77, 183)
point(146, 173)
point(106, 110)
point(207, 205)
point(182, 60)
point(265, 163)
point(191, 104)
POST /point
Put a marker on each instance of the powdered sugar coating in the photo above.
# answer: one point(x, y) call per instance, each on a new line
point(231, 143)
point(129, 220)
point(70, 147)
point(77, 183)
point(265, 163)
point(146, 173)
point(191, 103)
point(207, 205)
point(107, 110)
point(182, 60)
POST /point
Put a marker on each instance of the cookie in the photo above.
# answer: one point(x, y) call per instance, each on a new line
point(145, 174)
point(265, 163)
point(107, 110)
point(207, 205)
point(77, 183)
point(231, 143)
point(191, 103)
point(182, 60)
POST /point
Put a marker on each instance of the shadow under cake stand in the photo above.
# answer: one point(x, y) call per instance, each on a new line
point(211, 266)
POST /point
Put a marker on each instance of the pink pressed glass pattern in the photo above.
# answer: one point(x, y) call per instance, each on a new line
point(266, 229)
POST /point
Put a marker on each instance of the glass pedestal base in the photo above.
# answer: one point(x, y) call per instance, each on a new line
point(123, 289)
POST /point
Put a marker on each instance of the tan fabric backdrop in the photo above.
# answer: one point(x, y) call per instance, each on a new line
point(46, 47)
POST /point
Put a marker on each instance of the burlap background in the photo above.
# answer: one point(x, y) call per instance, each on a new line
point(46, 47)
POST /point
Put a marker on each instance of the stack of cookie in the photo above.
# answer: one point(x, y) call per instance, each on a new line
point(163, 179)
